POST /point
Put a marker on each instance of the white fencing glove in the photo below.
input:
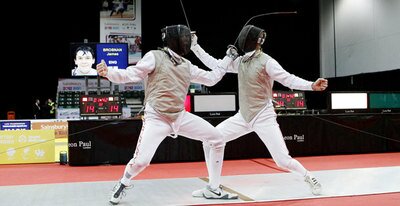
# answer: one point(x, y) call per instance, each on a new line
point(231, 55)
point(194, 40)
point(232, 52)
point(102, 69)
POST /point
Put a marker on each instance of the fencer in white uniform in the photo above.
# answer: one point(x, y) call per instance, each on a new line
point(167, 77)
point(257, 72)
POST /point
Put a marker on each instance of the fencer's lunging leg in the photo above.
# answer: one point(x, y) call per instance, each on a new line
point(272, 137)
point(148, 142)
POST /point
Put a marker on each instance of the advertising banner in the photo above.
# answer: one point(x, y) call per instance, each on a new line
point(79, 85)
point(121, 22)
point(26, 146)
point(60, 127)
point(15, 125)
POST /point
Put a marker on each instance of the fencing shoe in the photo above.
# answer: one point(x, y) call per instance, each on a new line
point(218, 193)
point(315, 186)
point(199, 193)
point(117, 193)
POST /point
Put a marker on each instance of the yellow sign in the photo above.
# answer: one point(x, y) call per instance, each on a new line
point(60, 127)
point(26, 146)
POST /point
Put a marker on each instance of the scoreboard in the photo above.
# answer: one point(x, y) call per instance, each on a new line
point(100, 105)
point(289, 100)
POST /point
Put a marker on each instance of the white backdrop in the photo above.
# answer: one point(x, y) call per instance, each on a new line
point(359, 36)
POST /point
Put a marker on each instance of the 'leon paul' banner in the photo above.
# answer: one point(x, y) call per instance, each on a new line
point(26, 146)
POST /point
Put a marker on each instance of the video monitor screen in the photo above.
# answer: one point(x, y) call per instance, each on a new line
point(384, 100)
point(114, 54)
point(349, 100)
point(215, 104)
point(85, 57)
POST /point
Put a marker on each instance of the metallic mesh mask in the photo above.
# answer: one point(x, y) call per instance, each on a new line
point(177, 38)
point(249, 37)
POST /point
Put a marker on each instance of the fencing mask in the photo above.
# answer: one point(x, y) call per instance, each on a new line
point(249, 37)
point(177, 38)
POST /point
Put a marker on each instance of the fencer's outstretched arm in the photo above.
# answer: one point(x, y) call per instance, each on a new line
point(134, 73)
point(206, 58)
point(277, 73)
point(210, 78)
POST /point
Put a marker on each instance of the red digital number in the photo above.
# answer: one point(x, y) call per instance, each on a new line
point(299, 103)
point(114, 108)
point(89, 109)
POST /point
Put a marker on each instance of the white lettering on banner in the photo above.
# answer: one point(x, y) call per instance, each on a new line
point(35, 139)
point(295, 137)
point(112, 49)
point(72, 144)
point(82, 144)
point(85, 145)
point(80, 85)
point(215, 114)
point(73, 83)
point(27, 146)
point(112, 54)
point(68, 113)
point(54, 127)
point(287, 138)
point(299, 138)
point(6, 139)
point(13, 125)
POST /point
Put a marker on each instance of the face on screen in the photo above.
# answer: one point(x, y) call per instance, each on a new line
point(84, 61)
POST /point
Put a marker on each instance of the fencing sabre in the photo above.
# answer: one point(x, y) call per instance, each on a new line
point(265, 14)
point(187, 21)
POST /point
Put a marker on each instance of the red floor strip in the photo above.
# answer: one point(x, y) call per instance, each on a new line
point(27, 174)
point(388, 199)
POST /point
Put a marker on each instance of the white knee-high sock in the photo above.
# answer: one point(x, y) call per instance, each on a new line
point(294, 166)
point(215, 166)
point(207, 149)
point(131, 170)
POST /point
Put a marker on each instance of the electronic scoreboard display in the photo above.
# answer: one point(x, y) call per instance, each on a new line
point(289, 100)
point(100, 105)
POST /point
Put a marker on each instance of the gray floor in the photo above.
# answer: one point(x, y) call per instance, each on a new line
point(252, 188)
